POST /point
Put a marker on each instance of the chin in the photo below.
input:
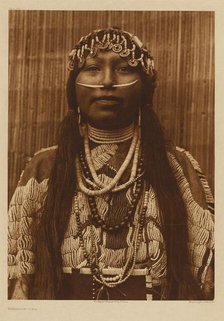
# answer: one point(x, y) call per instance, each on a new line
point(109, 122)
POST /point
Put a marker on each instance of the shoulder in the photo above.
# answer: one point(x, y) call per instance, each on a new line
point(185, 158)
point(186, 164)
point(39, 166)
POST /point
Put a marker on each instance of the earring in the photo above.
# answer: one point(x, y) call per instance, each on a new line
point(79, 116)
point(139, 117)
point(140, 122)
point(80, 123)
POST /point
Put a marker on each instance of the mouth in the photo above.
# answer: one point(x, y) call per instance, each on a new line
point(108, 100)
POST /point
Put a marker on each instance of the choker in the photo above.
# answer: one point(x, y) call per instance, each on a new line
point(103, 136)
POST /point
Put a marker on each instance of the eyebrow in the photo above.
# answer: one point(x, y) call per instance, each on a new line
point(99, 59)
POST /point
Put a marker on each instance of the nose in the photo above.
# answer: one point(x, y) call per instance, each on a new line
point(108, 77)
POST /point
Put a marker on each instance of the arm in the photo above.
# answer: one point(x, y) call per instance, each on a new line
point(25, 210)
point(200, 207)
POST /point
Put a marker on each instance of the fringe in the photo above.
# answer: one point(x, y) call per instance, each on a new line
point(102, 206)
point(17, 271)
point(74, 258)
point(129, 194)
point(13, 230)
point(14, 214)
point(69, 245)
point(113, 258)
point(153, 208)
point(13, 272)
point(12, 246)
point(158, 269)
point(25, 256)
point(26, 242)
point(24, 213)
point(105, 179)
point(141, 255)
point(130, 236)
point(204, 182)
point(198, 254)
point(32, 194)
point(198, 235)
point(138, 209)
point(153, 233)
point(197, 216)
point(72, 229)
point(11, 259)
point(206, 267)
point(84, 209)
point(153, 249)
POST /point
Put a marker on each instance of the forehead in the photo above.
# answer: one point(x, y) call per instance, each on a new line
point(103, 56)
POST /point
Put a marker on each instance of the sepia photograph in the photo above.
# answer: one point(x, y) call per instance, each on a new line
point(111, 155)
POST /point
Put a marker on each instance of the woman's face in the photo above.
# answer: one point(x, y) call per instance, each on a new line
point(108, 107)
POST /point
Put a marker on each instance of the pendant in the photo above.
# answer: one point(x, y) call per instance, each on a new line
point(117, 48)
point(125, 53)
point(133, 63)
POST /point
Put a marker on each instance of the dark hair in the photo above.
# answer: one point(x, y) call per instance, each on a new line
point(62, 184)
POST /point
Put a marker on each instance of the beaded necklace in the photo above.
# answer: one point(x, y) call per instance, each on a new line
point(92, 258)
point(122, 168)
point(92, 203)
point(101, 136)
point(98, 187)
point(95, 187)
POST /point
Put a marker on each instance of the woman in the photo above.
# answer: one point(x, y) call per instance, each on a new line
point(113, 211)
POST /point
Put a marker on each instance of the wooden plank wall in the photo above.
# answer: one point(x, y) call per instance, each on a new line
point(182, 44)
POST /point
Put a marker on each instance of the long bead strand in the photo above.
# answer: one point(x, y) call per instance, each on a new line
point(131, 209)
point(130, 264)
point(109, 187)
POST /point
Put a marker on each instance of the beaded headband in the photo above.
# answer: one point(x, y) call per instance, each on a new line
point(121, 42)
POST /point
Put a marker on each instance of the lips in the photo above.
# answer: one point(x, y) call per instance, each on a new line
point(108, 100)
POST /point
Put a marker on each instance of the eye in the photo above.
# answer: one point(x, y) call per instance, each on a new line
point(92, 68)
point(124, 69)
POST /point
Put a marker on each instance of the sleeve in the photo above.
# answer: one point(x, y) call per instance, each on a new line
point(23, 218)
point(199, 203)
point(204, 183)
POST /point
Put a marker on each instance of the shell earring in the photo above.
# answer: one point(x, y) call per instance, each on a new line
point(139, 117)
point(79, 116)
point(80, 123)
point(140, 122)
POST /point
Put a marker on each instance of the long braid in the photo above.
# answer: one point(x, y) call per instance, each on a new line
point(181, 283)
point(56, 211)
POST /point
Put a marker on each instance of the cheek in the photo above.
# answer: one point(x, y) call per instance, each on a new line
point(78, 94)
point(82, 97)
point(134, 96)
point(82, 93)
